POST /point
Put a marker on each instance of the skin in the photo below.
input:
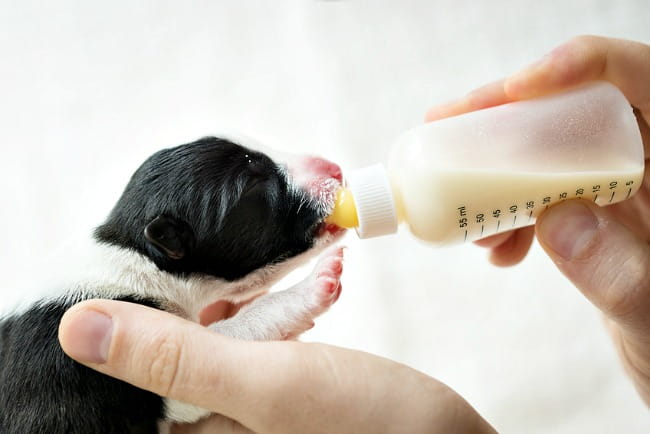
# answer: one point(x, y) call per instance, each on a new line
point(603, 251)
point(320, 388)
point(264, 387)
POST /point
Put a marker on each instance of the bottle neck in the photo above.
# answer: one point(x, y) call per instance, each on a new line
point(375, 200)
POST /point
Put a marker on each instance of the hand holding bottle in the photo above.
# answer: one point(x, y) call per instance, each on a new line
point(603, 251)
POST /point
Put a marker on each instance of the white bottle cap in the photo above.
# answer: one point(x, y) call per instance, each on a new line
point(374, 201)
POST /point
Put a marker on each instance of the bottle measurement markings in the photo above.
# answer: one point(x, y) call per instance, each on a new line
point(629, 190)
point(612, 186)
point(513, 210)
point(465, 224)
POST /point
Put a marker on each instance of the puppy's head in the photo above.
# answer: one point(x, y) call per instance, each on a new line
point(218, 208)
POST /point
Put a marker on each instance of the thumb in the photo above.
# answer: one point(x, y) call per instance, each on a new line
point(162, 353)
point(272, 387)
point(606, 261)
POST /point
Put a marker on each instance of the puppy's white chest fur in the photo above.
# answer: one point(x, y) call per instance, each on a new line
point(198, 223)
point(279, 315)
point(93, 269)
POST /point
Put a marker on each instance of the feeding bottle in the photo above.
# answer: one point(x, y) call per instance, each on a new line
point(478, 174)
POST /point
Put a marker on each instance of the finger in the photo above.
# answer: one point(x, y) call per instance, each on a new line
point(604, 260)
point(644, 128)
point(273, 387)
point(494, 240)
point(490, 95)
point(626, 64)
point(508, 248)
point(165, 354)
point(514, 249)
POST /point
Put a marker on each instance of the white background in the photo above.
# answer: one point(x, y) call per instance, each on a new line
point(89, 89)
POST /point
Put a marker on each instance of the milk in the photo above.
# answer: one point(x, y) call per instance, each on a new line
point(489, 171)
point(456, 206)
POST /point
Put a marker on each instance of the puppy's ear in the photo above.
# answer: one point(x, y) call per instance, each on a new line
point(171, 236)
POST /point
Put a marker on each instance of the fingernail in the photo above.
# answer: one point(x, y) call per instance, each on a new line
point(90, 337)
point(568, 228)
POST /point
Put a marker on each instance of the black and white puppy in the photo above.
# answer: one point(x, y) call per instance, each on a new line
point(198, 224)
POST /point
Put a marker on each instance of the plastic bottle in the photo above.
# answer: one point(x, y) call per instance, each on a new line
point(467, 177)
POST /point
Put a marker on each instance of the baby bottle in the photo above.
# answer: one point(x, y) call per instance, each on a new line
point(471, 176)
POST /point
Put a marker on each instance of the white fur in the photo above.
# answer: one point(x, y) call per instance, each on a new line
point(85, 268)
point(182, 412)
point(276, 316)
point(105, 271)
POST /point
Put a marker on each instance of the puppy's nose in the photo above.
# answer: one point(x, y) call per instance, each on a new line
point(322, 167)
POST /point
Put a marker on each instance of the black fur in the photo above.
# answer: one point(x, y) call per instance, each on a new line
point(210, 207)
point(226, 210)
point(44, 391)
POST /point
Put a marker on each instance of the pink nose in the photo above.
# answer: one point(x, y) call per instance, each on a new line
point(322, 167)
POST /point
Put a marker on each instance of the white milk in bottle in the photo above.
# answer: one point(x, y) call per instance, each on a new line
point(467, 177)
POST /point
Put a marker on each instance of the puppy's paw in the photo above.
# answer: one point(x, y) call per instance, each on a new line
point(323, 287)
point(314, 295)
point(286, 314)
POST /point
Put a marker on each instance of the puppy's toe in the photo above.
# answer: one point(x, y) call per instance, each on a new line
point(325, 286)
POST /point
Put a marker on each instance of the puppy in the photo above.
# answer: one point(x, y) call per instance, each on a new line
point(198, 224)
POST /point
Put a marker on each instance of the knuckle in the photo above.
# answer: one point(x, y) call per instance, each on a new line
point(164, 363)
point(588, 49)
point(627, 288)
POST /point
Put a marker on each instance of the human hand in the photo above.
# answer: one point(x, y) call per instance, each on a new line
point(603, 251)
point(266, 387)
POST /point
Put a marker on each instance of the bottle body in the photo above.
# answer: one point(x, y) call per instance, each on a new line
point(485, 172)
point(473, 204)
point(475, 175)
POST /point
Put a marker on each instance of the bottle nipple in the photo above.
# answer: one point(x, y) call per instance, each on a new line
point(344, 213)
point(366, 203)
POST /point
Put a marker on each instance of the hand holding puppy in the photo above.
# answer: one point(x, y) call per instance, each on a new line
point(266, 387)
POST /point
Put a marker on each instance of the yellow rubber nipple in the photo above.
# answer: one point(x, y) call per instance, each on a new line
point(345, 210)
